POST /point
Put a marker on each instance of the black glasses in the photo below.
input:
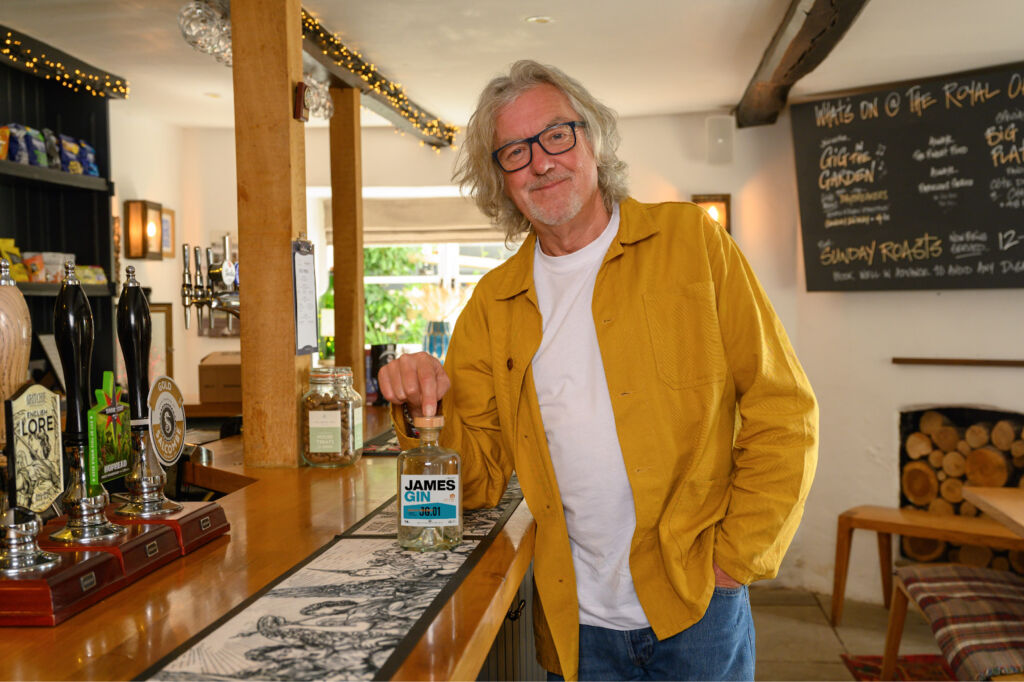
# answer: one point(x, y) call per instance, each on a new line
point(555, 139)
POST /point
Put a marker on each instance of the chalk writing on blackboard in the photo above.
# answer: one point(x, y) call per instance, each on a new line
point(914, 186)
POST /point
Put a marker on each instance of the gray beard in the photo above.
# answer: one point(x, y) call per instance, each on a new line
point(555, 215)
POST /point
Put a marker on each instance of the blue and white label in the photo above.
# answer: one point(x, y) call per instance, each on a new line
point(429, 500)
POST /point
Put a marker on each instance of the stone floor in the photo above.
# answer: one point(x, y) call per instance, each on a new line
point(795, 640)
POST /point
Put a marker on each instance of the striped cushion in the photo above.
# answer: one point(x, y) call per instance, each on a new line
point(977, 615)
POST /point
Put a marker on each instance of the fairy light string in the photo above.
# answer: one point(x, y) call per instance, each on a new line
point(32, 56)
point(430, 129)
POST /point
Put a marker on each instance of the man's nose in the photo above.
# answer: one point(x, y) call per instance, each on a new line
point(540, 160)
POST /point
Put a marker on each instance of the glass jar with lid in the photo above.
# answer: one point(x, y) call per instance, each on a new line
point(322, 443)
point(351, 414)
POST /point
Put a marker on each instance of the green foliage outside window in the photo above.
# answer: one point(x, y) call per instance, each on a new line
point(388, 306)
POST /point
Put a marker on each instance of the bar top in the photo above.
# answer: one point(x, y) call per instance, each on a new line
point(278, 518)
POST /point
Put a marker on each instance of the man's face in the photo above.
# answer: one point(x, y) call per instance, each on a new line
point(551, 190)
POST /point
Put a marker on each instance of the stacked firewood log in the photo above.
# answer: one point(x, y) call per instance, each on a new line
point(942, 457)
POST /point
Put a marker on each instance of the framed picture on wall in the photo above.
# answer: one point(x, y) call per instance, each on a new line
point(167, 232)
point(161, 352)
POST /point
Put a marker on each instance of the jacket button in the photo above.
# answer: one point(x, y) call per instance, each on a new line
point(509, 363)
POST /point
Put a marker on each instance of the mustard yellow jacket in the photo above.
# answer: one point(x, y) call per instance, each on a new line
point(715, 417)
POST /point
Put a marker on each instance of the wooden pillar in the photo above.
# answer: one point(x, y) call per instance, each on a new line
point(347, 218)
point(270, 159)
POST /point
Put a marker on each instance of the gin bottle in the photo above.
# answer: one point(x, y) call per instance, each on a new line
point(429, 492)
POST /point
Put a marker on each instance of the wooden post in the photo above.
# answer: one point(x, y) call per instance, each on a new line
point(347, 218)
point(270, 158)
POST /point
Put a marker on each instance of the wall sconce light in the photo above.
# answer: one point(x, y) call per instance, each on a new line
point(717, 206)
point(143, 230)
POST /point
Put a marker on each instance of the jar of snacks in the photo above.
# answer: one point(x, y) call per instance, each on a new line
point(351, 412)
point(322, 438)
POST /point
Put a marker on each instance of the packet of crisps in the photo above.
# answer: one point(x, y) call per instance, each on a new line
point(19, 273)
point(36, 147)
point(87, 157)
point(69, 150)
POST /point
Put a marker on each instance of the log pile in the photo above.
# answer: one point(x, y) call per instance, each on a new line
point(940, 457)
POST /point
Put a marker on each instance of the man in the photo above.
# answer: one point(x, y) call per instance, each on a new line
point(628, 366)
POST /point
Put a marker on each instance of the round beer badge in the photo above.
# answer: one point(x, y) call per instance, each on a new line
point(167, 420)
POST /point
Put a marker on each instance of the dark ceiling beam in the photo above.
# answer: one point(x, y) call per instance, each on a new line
point(807, 34)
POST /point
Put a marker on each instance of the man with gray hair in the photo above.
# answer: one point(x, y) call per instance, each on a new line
point(628, 366)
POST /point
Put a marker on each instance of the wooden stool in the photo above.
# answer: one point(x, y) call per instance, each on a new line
point(886, 521)
point(976, 614)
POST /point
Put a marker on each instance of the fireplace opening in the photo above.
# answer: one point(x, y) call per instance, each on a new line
point(942, 449)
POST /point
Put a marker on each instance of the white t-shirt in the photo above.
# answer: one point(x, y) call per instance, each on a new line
point(580, 428)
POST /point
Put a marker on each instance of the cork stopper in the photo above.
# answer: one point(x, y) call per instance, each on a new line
point(435, 422)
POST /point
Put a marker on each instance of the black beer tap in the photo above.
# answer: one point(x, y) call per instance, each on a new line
point(83, 501)
point(146, 477)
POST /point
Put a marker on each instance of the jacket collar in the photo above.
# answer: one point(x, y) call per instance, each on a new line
point(634, 226)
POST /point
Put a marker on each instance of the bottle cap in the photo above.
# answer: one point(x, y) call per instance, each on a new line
point(435, 422)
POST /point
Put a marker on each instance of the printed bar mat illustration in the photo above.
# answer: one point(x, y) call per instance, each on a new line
point(383, 444)
point(352, 611)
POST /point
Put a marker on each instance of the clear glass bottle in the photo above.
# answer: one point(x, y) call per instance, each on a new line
point(429, 492)
point(322, 444)
point(351, 414)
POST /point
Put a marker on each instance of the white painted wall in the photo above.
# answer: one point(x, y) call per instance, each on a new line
point(194, 176)
point(845, 341)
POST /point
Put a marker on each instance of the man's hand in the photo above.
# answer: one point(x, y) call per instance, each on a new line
point(418, 379)
point(723, 579)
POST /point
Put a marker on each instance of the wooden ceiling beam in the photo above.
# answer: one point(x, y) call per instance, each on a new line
point(327, 59)
point(807, 34)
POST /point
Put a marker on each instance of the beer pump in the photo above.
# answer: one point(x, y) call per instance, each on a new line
point(83, 501)
point(146, 478)
point(220, 291)
point(19, 526)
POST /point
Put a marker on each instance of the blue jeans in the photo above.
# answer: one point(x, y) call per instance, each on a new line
point(720, 646)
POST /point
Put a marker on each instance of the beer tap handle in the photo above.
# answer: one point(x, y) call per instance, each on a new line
point(74, 334)
point(186, 285)
point(209, 269)
point(210, 288)
point(200, 294)
point(135, 334)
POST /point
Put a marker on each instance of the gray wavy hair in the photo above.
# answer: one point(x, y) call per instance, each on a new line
point(481, 178)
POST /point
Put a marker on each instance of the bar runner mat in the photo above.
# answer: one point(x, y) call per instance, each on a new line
point(385, 443)
point(352, 611)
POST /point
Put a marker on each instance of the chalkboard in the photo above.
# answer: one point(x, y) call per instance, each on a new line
point(915, 186)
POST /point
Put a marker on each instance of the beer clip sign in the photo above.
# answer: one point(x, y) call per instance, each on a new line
point(34, 452)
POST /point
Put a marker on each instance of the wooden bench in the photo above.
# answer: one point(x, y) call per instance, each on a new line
point(886, 521)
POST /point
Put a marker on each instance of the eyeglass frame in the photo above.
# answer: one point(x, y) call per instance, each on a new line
point(536, 138)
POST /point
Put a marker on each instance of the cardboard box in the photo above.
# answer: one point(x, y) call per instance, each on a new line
point(220, 377)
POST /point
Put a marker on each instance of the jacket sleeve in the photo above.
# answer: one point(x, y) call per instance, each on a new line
point(472, 427)
point(775, 449)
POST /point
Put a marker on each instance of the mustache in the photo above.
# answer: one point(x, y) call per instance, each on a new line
point(546, 180)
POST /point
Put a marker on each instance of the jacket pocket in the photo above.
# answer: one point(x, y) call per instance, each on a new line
point(685, 336)
point(687, 530)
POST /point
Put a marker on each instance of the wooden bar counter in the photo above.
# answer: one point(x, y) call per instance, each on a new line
point(278, 518)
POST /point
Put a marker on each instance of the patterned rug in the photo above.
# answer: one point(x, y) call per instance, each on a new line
point(916, 667)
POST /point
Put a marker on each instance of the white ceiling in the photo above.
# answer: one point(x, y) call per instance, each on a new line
point(640, 56)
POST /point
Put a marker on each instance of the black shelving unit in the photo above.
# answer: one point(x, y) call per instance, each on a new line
point(44, 209)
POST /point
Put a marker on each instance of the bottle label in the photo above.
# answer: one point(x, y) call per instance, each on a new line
point(429, 500)
point(327, 322)
point(324, 431)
